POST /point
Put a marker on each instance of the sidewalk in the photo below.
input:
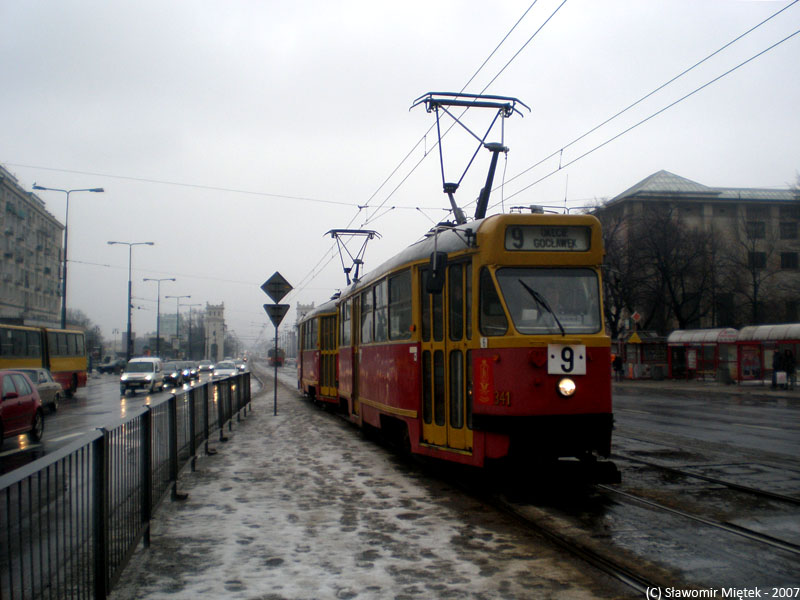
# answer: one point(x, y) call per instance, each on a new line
point(300, 506)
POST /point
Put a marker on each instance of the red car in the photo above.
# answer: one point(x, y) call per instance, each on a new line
point(20, 407)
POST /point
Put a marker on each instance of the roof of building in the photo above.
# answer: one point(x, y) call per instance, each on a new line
point(663, 183)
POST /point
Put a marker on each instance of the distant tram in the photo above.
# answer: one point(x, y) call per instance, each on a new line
point(276, 358)
point(63, 351)
point(483, 342)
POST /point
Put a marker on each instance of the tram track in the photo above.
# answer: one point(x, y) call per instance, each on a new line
point(727, 527)
point(715, 480)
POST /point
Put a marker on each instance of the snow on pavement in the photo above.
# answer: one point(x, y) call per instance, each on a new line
point(300, 506)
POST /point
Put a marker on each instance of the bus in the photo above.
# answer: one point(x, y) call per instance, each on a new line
point(63, 351)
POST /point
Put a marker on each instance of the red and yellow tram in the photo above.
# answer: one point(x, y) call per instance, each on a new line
point(483, 341)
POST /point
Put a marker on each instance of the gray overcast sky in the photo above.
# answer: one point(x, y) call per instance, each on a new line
point(235, 134)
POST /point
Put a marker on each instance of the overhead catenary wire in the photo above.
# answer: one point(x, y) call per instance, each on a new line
point(649, 94)
point(655, 114)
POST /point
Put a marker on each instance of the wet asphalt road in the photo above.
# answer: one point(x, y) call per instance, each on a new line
point(99, 404)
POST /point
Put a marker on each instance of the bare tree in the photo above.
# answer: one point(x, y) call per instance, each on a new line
point(749, 263)
point(676, 259)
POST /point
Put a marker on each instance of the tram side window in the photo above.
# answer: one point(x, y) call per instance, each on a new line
point(492, 318)
point(345, 323)
point(381, 312)
point(400, 306)
point(366, 317)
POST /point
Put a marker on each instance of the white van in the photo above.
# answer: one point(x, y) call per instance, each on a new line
point(144, 373)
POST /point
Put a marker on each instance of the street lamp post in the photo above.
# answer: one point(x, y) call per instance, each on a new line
point(130, 245)
point(189, 352)
point(64, 268)
point(178, 318)
point(158, 311)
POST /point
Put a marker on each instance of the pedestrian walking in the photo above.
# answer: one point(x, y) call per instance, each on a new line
point(789, 367)
point(617, 368)
point(777, 365)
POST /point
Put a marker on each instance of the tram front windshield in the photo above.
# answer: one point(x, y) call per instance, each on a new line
point(545, 300)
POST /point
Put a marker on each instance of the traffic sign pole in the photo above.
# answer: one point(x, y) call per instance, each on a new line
point(276, 287)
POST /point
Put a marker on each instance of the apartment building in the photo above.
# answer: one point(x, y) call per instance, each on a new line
point(30, 257)
point(732, 253)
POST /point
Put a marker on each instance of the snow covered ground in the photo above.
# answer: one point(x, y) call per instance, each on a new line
point(300, 506)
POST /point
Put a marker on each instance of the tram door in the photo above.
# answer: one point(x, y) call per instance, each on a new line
point(327, 362)
point(446, 331)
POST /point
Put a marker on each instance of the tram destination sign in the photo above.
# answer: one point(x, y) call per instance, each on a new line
point(548, 238)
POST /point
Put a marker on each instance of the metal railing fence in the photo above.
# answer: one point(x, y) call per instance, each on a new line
point(70, 521)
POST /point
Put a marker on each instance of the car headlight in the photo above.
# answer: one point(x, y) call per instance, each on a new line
point(124, 377)
point(149, 378)
point(566, 387)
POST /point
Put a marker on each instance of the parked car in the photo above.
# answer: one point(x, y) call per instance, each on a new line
point(205, 366)
point(225, 368)
point(50, 391)
point(173, 374)
point(20, 407)
point(142, 374)
point(111, 365)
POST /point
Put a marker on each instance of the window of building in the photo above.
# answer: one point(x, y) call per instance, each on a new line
point(788, 260)
point(757, 212)
point(756, 260)
point(756, 230)
point(792, 312)
point(788, 230)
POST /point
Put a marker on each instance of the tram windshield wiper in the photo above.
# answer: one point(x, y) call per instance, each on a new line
point(543, 303)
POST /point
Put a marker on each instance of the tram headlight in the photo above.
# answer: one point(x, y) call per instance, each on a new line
point(566, 387)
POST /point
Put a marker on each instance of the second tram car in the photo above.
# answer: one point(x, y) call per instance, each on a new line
point(483, 341)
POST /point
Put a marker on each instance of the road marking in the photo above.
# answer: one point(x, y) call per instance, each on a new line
point(65, 437)
point(758, 427)
point(17, 450)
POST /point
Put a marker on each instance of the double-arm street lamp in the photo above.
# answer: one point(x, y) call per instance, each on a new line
point(66, 223)
point(130, 245)
point(158, 311)
point(189, 351)
point(178, 317)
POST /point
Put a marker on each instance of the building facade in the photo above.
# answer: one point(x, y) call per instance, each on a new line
point(30, 257)
point(215, 332)
point(686, 255)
